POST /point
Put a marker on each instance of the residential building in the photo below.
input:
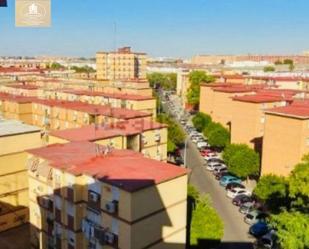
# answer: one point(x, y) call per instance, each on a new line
point(122, 64)
point(147, 137)
point(83, 195)
point(286, 138)
point(216, 100)
point(15, 138)
point(248, 118)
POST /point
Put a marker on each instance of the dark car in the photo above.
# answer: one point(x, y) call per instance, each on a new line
point(233, 185)
point(179, 160)
point(259, 229)
point(240, 199)
point(218, 175)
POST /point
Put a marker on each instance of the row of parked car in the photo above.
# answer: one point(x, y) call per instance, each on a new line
point(254, 212)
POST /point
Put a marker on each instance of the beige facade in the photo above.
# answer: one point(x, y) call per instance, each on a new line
point(15, 137)
point(122, 64)
point(82, 209)
point(248, 120)
point(286, 140)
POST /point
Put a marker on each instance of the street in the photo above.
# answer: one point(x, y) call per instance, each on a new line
point(235, 229)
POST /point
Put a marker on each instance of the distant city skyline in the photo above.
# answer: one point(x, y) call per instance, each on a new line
point(175, 28)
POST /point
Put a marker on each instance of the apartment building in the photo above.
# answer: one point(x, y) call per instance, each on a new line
point(248, 118)
point(216, 100)
point(15, 137)
point(16, 107)
point(286, 138)
point(147, 137)
point(118, 100)
point(83, 195)
point(20, 89)
point(122, 64)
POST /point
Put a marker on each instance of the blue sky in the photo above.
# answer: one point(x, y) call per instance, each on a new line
point(177, 28)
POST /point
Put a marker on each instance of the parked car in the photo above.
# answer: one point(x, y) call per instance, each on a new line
point(255, 216)
point(241, 199)
point(211, 155)
point(179, 160)
point(212, 167)
point(267, 241)
point(234, 185)
point(247, 207)
point(225, 180)
point(204, 152)
point(221, 174)
point(202, 145)
point(232, 193)
point(259, 229)
point(222, 168)
point(194, 139)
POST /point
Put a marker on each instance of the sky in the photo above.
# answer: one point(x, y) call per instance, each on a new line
point(169, 28)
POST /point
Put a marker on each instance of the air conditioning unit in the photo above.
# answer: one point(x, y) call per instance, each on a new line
point(111, 207)
point(109, 238)
point(157, 137)
point(94, 196)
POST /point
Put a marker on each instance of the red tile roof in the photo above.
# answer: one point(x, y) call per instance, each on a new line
point(121, 128)
point(259, 98)
point(22, 86)
point(109, 95)
point(125, 169)
point(296, 111)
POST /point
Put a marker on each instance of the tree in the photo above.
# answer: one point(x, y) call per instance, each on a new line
point(206, 223)
point(244, 162)
point(176, 135)
point(84, 69)
point(196, 78)
point(292, 229)
point(299, 184)
point(273, 191)
point(291, 67)
point(219, 137)
point(201, 121)
point(56, 66)
point(167, 81)
point(230, 150)
point(278, 62)
point(288, 62)
point(269, 69)
point(210, 127)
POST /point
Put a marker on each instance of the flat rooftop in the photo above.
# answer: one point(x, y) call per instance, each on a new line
point(125, 169)
point(14, 127)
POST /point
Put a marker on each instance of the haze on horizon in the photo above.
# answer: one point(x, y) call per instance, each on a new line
point(174, 28)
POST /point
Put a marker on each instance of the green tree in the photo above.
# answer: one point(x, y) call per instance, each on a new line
point(201, 121)
point(206, 223)
point(196, 78)
point(230, 150)
point(292, 229)
point(56, 66)
point(219, 137)
point(278, 62)
point(210, 127)
point(269, 69)
point(291, 67)
point(166, 81)
point(273, 191)
point(244, 162)
point(288, 62)
point(176, 135)
point(84, 69)
point(299, 185)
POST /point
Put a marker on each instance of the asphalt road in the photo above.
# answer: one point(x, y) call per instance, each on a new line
point(235, 229)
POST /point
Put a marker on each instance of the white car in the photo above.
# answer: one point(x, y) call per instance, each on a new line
point(213, 166)
point(211, 155)
point(201, 144)
point(237, 191)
